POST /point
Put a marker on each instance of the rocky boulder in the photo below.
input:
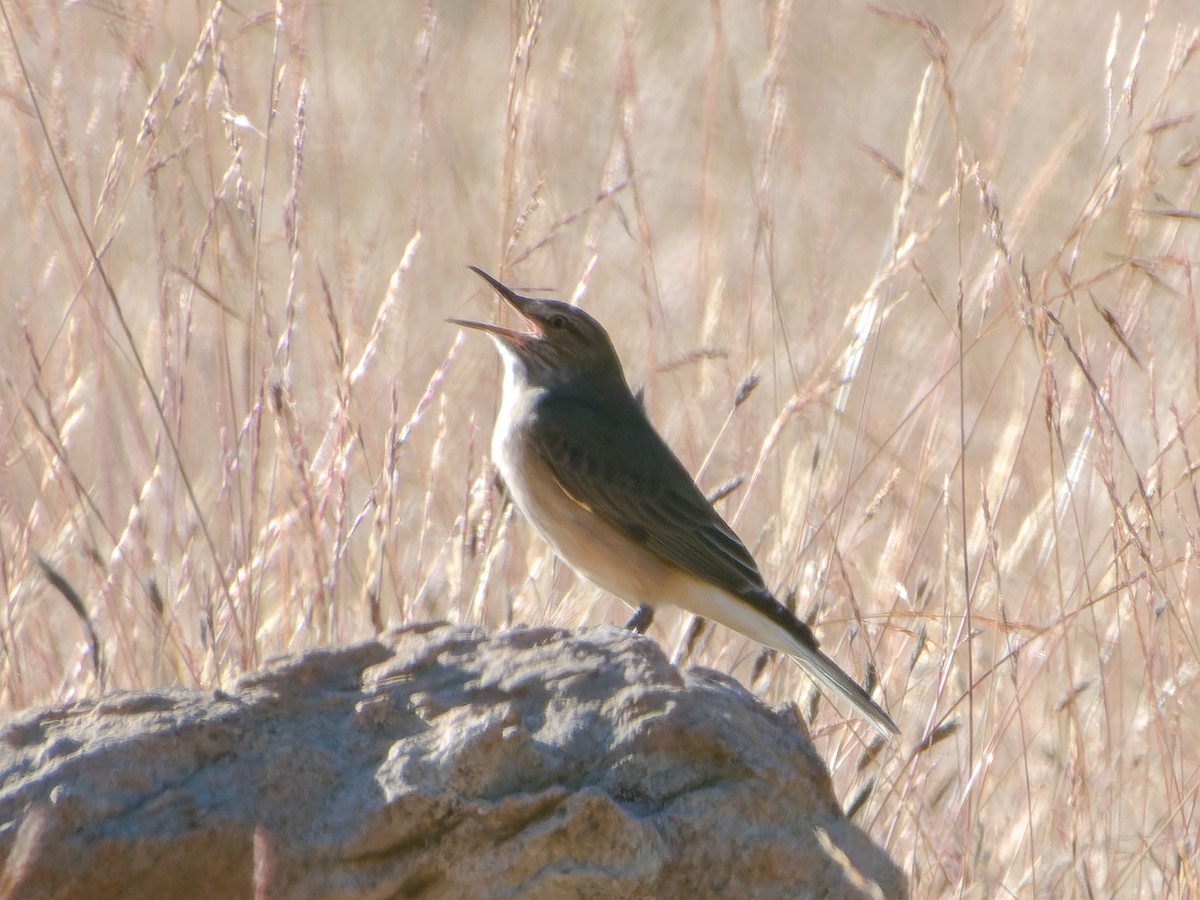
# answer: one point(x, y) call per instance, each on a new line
point(436, 761)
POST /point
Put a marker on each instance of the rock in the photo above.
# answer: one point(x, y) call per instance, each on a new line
point(436, 761)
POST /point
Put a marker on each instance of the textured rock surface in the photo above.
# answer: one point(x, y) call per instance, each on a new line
point(438, 761)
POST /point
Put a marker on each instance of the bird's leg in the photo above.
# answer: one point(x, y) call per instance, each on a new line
point(642, 617)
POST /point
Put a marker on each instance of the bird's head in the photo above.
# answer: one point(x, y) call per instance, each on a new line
point(562, 347)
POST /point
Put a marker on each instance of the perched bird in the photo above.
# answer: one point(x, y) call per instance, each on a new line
point(586, 467)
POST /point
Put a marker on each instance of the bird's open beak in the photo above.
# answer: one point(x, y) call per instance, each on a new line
point(517, 302)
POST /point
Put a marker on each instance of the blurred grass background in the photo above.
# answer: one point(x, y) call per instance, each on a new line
point(952, 242)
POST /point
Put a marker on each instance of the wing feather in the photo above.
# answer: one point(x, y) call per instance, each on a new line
point(624, 472)
point(613, 462)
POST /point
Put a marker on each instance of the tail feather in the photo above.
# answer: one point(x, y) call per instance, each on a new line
point(760, 617)
point(826, 672)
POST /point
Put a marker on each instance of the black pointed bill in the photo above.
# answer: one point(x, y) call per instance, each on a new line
point(517, 302)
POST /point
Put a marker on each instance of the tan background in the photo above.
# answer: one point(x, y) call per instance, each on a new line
point(956, 244)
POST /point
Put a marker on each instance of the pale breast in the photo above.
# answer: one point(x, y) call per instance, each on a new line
point(594, 549)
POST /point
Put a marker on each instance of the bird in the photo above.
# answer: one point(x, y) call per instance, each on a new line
point(585, 466)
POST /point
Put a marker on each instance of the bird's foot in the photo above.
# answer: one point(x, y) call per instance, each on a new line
point(642, 618)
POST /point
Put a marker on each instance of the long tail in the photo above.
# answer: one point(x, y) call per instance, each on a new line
point(827, 673)
point(761, 617)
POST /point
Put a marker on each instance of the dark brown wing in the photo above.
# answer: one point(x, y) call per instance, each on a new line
point(613, 461)
point(609, 458)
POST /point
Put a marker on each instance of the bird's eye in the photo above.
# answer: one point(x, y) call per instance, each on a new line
point(558, 321)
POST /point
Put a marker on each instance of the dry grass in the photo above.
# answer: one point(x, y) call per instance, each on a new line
point(956, 245)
